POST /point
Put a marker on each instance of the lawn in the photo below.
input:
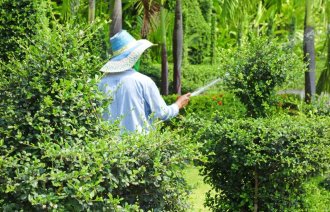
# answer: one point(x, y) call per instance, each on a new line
point(316, 199)
point(199, 190)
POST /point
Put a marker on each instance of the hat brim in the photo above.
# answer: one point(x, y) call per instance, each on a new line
point(127, 59)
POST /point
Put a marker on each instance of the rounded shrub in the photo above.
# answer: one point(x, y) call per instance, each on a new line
point(256, 69)
point(261, 164)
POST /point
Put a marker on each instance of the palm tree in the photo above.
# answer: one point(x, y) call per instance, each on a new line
point(117, 19)
point(91, 11)
point(69, 9)
point(235, 14)
point(150, 8)
point(177, 47)
point(309, 52)
point(66, 10)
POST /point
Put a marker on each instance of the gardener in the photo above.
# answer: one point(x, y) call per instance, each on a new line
point(136, 101)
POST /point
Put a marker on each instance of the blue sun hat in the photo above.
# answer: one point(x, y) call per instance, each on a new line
point(126, 52)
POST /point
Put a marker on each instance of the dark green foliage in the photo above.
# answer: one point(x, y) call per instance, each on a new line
point(17, 21)
point(326, 183)
point(263, 162)
point(319, 107)
point(56, 154)
point(293, 105)
point(152, 70)
point(193, 76)
point(154, 167)
point(206, 9)
point(196, 32)
point(323, 84)
point(98, 44)
point(217, 106)
point(256, 70)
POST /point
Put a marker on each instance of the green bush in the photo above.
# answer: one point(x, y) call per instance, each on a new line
point(193, 76)
point(262, 163)
point(96, 174)
point(217, 105)
point(256, 69)
point(17, 21)
point(319, 107)
point(317, 196)
point(197, 32)
point(56, 154)
point(292, 104)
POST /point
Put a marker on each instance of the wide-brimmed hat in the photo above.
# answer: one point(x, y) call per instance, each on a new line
point(126, 52)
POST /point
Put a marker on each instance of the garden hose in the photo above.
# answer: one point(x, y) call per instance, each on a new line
point(204, 88)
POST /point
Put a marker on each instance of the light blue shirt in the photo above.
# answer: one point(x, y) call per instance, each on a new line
point(136, 101)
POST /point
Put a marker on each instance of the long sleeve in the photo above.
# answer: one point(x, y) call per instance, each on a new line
point(156, 103)
point(136, 101)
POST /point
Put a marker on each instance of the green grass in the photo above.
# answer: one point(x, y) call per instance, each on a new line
point(317, 198)
point(199, 190)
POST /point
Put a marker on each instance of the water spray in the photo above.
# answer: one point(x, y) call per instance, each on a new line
point(204, 88)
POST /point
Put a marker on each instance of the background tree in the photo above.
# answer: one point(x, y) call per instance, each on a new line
point(91, 11)
point(177, 47)
point(309, 52)
point(116, 18)
point(164, 77)
point(150, 7)
point(323, 85)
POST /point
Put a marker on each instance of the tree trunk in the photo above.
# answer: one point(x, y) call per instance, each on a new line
point(323, 85)
point(91, 11)
point(256, 191)
point(116, 18)
point(164, 83)
point(150, 7)
point(177, 47)
point(239, 32)
point(292, 31)
point(213, 38)
point(309, 52)
point(146, 18)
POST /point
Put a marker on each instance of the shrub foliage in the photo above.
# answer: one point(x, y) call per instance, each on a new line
point(207, 106)
point(261, 164)
point(257, 69)
point(18, 19)
point(193, 76)
point(56, 153)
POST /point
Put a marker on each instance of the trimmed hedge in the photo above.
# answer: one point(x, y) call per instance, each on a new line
point(56, 154)
point(217, 105)
point(262, 163)
point(257, 69)
point(137, 172)
point(18, 19)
